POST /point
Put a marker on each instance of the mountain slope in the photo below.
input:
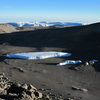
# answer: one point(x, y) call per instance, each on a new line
point(43, 24)
point(6, 28)
point(81, 40)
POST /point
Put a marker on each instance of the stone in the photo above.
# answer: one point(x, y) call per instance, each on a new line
point(15, 89)
point(75, 88)
point(46, 97)
point(80, 89)
point(32, 95)
point(26, 97)
point(17, 84)
point(31, 87)
point(24, 86)
point(19, 69)
point(84, 90)
point(2, 75)
point(40, 95)
point(1, 89)
point(70, 99)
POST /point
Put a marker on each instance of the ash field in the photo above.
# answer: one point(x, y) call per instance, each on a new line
point(69, 82)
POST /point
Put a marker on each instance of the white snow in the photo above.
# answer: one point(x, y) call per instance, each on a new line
point(38, 55)
point(69, 62)
point(43, 24)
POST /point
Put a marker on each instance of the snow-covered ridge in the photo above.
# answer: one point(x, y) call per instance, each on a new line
point(43, 24)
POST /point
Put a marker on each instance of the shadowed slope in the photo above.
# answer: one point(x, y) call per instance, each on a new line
point(82, 41)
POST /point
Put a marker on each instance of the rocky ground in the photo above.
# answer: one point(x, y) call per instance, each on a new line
point(69, 82)
point(15, 91)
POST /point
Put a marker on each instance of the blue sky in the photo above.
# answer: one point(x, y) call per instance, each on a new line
point(50, 10)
